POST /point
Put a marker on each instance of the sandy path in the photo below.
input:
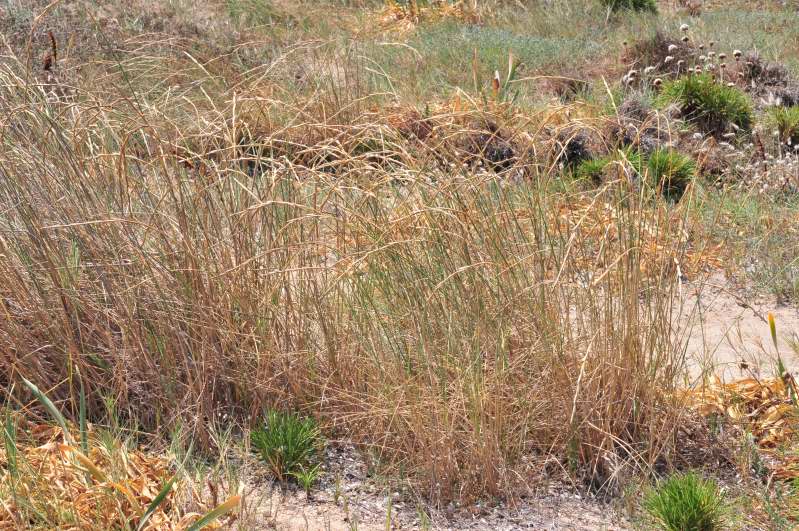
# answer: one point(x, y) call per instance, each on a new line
point(729, 333)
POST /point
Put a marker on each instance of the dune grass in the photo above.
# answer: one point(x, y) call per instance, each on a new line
point(346, 220)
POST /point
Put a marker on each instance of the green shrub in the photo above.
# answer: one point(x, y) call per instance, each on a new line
point(785, 120)
point(671, 172)
point(287, 443)
point(713, 107)
point(686, 502)
point(635, 5)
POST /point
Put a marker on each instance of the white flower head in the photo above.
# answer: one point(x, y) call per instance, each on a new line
point(672, 47)
point(684, 27)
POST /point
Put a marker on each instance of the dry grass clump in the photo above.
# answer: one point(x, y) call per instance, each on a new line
point(450, 323)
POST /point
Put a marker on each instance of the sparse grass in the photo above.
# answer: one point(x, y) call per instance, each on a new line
point(686, 502)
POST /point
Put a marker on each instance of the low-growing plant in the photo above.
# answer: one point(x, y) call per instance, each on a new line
point(671, 172)
point(686, 502)
point(714, 107)
point(635, 5)
point(627, 160)
point(289, 444)
point(785, 120)
point(307, 476)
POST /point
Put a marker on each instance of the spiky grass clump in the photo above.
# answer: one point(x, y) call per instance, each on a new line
point(634, 5)
point(686, 502)
point(714, 107)
point(671, 172)
point(287, 443)
point(785, 120)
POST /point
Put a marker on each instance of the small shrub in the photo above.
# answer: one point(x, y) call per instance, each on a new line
point(592, 170)
point(712, 106)
point(287, 443)
point(686, 502)
point(671, 172)
point(627, 160)
point(785, 120)
point(635, 5)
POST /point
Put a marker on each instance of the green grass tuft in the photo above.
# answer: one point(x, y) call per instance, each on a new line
point(287, 443)
point(635, 5)
point(785, 120)
point(671, 171)
point(686, 502)
point(712, 106)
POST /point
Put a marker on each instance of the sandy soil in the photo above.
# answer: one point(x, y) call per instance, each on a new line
point(728, 331)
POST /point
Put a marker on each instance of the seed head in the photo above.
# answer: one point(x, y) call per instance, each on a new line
point(711, 53)
point(685, 38)
point(703, 58)
point(657, 82)
point(672, 47)
point(712, 43)
point(684, 27)
point(730, 84)
point(737, 54)
point(668, 59)
point(722, 56)
point(723, 65)
point(648, 70)
point(701, 46)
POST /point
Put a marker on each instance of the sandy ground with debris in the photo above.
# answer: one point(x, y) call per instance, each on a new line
point(728, 332)
point(348, 498)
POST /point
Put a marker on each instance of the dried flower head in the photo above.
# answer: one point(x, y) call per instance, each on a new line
point(685, 38)
point(668, 59)
point(722, 65)
point(684, 27)
point(703, 58)
point(737, 54)
point(672, 47)
point(722, 56)
point(711, 53)
point(657, 82)
point(730, 84)
point(648, 70)
point(701, 46)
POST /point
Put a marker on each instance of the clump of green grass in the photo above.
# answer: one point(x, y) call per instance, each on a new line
point(671, 171)
point(635, 5)
point(785, 120)
point(714, 107)
point(289, 444)
point(686, 502)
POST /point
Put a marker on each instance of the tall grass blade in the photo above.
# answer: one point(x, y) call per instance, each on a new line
point(48, 404)
point(157, 501)
point(212, 515)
